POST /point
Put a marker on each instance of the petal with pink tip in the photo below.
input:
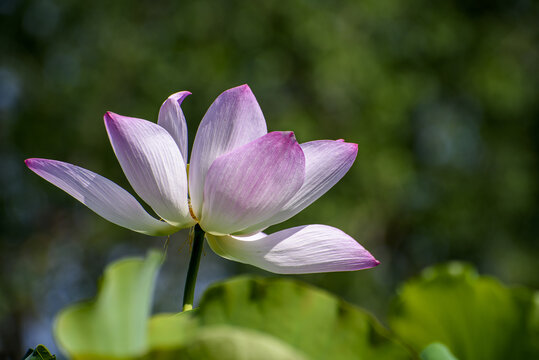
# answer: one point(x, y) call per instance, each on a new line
point(153, 164)
point(252, 183)
point(171, 118)
point(101, 195)
point(234, 119)
point(326, 162)
point(299, 250)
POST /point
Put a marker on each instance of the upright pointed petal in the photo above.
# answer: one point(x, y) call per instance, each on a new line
point(153, 165)
point(326, 162)
point(171, 118)
point(299, 250)
point(251, 183)
point(233, 120)
point(101, 195)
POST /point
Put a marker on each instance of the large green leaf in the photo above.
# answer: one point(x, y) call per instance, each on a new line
point(475, 316)
point(115, 324)
point(310, 320)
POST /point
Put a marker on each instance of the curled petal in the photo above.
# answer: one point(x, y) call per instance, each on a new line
point(252, 183)
point(234, 119)
point(171, 118)
point(153, 164)
point(326, 162)
point(101, 195)
point(299, 250)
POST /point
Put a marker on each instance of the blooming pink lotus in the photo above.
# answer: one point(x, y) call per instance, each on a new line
point(241, 179)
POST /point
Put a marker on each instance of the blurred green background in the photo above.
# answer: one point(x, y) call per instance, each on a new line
point(442, 98)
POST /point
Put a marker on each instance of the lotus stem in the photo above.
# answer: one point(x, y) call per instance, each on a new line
point(190, 281)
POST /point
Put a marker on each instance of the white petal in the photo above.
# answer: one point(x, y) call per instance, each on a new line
point(299, 250)
point(153, 164)
point(234, 119)
point(171, 118)
point(326, 162)
point(101, 195)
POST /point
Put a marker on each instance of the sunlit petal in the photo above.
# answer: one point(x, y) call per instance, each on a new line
point(171, 118)
point(252, 183)
point(234, 119)
point(326, 162)
point(153, 164)
point(101, 195)
point(299, 250)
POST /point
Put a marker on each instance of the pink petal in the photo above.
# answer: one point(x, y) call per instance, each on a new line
point(252, 183)
point(299, 250)
point(101, 195)
point(234, 119)
point(171, 118)
point(153, 165)
point(326, 162)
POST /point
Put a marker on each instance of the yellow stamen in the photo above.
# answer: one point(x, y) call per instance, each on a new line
point(191, 212)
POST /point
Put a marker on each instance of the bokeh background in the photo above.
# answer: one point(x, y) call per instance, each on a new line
point(442, 98)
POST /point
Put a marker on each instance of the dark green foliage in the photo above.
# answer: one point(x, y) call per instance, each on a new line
point(39, 353)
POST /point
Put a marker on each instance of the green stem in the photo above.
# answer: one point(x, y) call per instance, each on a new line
point(190, 281)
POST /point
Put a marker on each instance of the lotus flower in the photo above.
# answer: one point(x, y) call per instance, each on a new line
point(240, 180)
